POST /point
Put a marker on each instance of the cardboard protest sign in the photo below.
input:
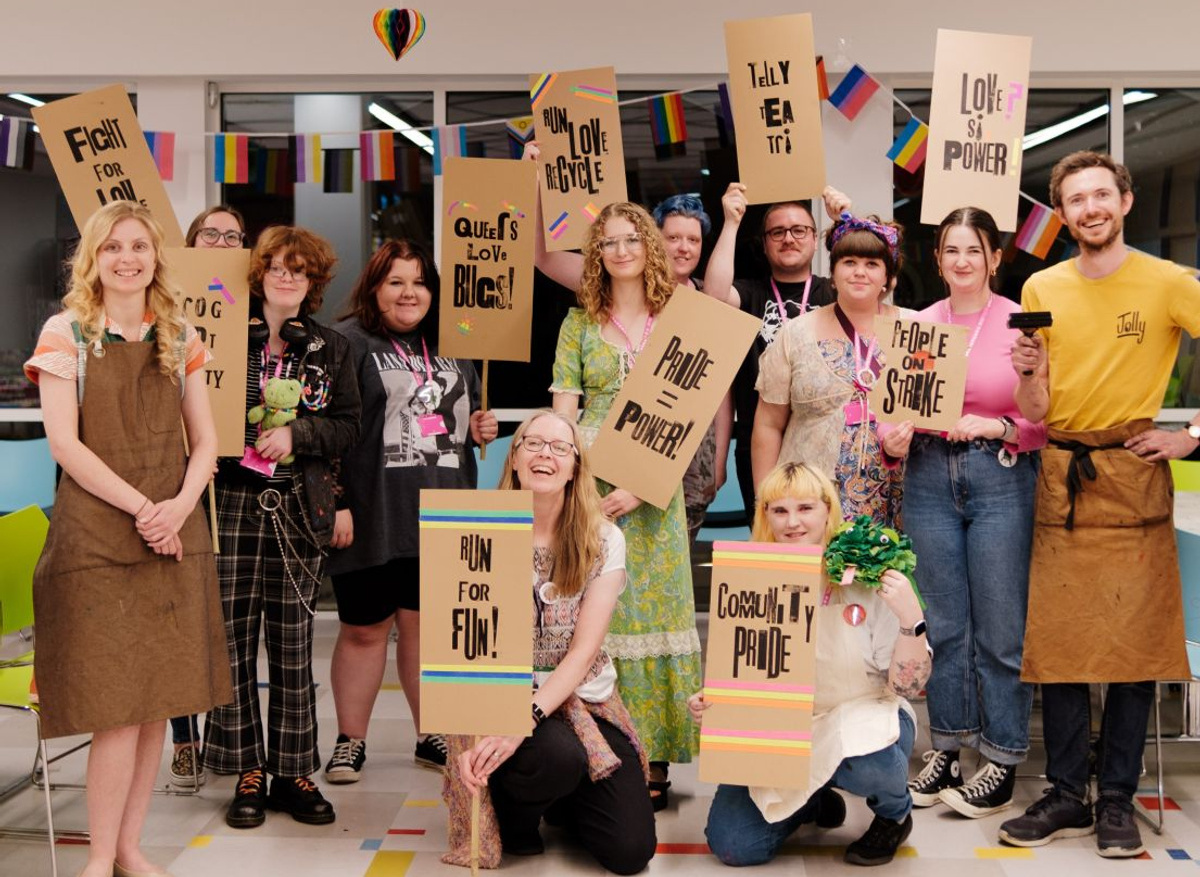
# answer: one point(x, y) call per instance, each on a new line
point(776, 107)
point(100, 154)
point(760, 678)
point(671, 395)
point(924, 373)
point(583, 162)
point(487, 258)
point(216, 300)
point(476, 620)
point(976, 125)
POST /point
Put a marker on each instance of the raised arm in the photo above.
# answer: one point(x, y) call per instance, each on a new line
point(718, 277)
point(564, 267)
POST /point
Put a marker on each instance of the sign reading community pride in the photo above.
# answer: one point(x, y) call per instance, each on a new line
point(671, 395)
point(924, 374)
point(216, 300)
point(487, 258)
point(583, 162)
point(776, 107)
point(100, 155)
point(476, 625)
point(760, 678)
point(976, 125)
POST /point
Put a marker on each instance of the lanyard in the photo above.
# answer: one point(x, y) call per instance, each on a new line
point(783, 317)
point(866, 363)
point(629, 343)
point(266, 366)
point(978, 326)
point(408, 357)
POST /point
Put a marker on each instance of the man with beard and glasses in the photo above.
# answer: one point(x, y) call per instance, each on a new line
point(1104, 590)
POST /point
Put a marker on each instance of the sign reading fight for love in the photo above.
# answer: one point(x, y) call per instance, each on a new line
point(216, 300)
point(100, 155)
point(476, 622)
point(578, 127)
point(976, 125)
point(671, 395)
point(776, 107)
point(487, 258)
point(924, 373)
point(760, 677)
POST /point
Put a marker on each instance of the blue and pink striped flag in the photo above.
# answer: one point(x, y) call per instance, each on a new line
point(909, 149)
point(377, 155)
point(162, 147)
point(16, 144)
point(1038, 232)
point(231, 158)
point(307, 166)
point(853, 92)
point(449, 141)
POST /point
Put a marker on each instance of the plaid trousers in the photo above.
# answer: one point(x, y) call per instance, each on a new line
point(267, 565)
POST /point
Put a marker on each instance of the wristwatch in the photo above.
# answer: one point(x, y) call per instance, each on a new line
point(917, 629)
point(1010, 429)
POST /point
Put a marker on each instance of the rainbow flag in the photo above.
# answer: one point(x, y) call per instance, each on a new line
point(449, 141)
point(1038, 231)
point(306, 158)
point(853, 92)
point(724, 116)
point(377, 155)
point(162, 147)
point(668, 127)
point(231, 158)
point(520, 131)
point(339, 170)
point(909, 149)
point(16, 144)
point(822, 79)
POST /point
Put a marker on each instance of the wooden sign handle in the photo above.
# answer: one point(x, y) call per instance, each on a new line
point(484, 406)
point(475, 805)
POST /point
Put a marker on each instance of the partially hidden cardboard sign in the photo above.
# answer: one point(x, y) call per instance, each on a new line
point(100, 155)
point(671, 395)
point(476, 620)
point(487, 258)
point(776, 107)
point(583, 162)
point(976, 125)
point(216, 300)
point(760, 677)
point(924, 374)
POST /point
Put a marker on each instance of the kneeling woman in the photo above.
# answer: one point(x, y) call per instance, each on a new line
point(583, 756)
point(868, 663)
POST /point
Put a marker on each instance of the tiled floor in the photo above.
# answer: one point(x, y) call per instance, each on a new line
point(392, 823)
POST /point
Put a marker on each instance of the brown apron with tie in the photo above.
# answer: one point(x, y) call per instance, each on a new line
point(1105, 601)
point(126, 636)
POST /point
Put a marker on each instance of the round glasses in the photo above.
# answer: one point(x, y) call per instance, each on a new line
point(799, 232)
point(211, 235)
point(281, 273)
point(533, 444)
point(631, 242)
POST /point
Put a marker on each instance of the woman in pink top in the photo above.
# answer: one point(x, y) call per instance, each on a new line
point(968, 504)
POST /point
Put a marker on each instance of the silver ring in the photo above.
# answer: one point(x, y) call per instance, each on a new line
point(495, 755)
point(270, 500)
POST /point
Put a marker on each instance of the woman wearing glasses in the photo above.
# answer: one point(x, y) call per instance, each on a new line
point(626, 282)
point(275, 515)
point(421, 417)
point(582, 757)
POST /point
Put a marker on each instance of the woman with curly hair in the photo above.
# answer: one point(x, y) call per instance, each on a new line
point(626, 282)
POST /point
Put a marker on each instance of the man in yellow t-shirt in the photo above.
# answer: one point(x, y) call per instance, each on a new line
point(1104, 589)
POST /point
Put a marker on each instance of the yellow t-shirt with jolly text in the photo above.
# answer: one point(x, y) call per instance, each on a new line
point(1114, 340)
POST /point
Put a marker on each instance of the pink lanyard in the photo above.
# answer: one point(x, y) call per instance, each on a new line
point(408, 357)
point(978, 326)
point(628, 343)
point(266, 365)
point(783, 317)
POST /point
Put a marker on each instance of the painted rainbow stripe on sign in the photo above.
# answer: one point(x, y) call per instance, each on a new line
point(218, 286)
point(465, 205)
point(540, 87)
point(593, 92)
point(772, 695)
point(764, 555)
point(794, 743)
point(590, 210)
point(479, 519)
point(474, 674)
point(513, 209)
point(559, 226)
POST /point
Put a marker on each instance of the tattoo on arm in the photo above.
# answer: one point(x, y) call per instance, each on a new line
point(908, 677)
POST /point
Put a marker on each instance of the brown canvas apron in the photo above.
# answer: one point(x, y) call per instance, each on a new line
point(125, 636)
point(1105, 602)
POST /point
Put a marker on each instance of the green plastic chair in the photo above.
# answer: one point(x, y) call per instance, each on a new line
point(1186, 475)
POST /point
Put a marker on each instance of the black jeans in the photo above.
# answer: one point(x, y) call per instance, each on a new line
point(613, 819)
point(745, 475)
point(1067, 719)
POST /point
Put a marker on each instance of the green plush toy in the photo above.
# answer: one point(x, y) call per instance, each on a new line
point(871, 549)
point(280, 398)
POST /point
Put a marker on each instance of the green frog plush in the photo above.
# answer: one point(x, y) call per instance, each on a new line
point(280, 398)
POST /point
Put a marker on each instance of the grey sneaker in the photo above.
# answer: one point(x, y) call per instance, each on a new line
point(186, 771)
point(1055, 815)
point(1117, 835)
point(989, 791)
point(941, 771)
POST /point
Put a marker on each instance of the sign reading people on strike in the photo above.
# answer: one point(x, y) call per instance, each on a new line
point(487, 258)
point(476, 626)
point(582, 160)
point(100, 155)
point(760, 677)
point(776, 107)
point(976, 125)
point(671, 395)
point(924, 374)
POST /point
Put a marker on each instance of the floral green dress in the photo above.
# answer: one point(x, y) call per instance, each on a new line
point(652, 639)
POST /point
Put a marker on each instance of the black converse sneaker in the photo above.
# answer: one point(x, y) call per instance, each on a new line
point(347, 762)
point(431, 752)
point(941, 771)
point(989, 791)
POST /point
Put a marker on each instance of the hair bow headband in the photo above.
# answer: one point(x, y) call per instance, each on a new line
point(886, 233)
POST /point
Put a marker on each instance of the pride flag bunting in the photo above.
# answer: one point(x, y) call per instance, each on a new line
point(668, 127)
point(162, 147)
point(306, 158)
point(1038, 231)
point(853, 92)
point(520, 131)
point(16, 144)
point(822, 79)
point(377, 155)
point(909, 149)
point(724, 116)
point(448, 142)
point(339, 170)
point(231, 159)
point(272, 172)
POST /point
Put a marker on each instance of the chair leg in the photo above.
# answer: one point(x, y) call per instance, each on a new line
point(49, 808)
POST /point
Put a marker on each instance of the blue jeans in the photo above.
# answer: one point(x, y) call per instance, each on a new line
point(1066, 716)
point(179, 731)
point(739, 835)
point(971, 524)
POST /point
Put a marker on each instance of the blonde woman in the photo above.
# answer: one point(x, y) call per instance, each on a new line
point(130, 630)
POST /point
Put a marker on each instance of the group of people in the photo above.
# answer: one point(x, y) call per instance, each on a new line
point(1016, 515)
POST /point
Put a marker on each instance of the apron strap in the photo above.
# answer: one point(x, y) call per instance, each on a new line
point(1081, 460)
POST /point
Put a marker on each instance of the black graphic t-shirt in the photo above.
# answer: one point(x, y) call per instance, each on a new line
point(759, 301)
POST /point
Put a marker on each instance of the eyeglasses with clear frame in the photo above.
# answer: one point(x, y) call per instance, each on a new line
point(632, 243)
point(798, 232)
point(534, 443)
point(281, 273)
point(211, 235)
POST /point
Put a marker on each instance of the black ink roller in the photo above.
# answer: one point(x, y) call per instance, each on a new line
point(1029, 322)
